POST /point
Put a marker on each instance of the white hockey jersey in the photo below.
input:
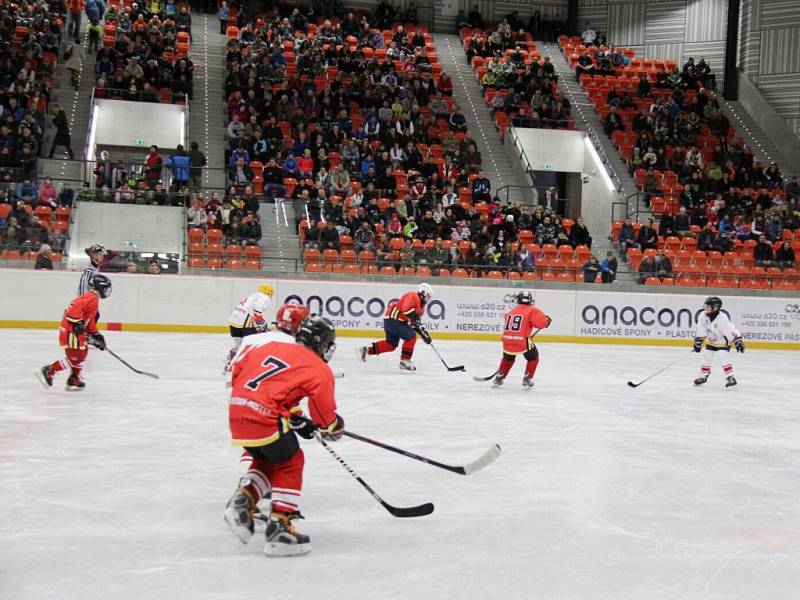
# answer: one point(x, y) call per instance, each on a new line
point(718, 333)
point(250, 312)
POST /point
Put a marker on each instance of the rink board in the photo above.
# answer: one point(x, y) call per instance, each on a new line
point(197, 304)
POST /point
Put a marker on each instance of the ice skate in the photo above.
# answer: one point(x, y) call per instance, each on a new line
point(239, 515)
point(407, 365)
point(45, 376)
point(362, 352)
point(282, 538)
point(730, 381)
point(527, 382)
point(75, 383)
point(701, 380)
point(498, 381)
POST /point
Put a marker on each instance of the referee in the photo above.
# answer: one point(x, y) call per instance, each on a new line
point(95, 252)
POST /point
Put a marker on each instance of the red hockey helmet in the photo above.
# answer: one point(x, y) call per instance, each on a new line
point(290, 316)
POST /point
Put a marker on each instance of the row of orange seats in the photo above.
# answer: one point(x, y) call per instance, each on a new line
point(216, 262)
point(26, 255)
point(233, 251)
point(750, 283)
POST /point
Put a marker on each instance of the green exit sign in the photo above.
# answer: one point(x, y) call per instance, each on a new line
point(138, 143)
point(547, 167)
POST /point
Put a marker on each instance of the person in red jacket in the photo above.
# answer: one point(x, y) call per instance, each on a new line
point(78, 329)
point(519, 324)
point(267, 384)
point(401, 322)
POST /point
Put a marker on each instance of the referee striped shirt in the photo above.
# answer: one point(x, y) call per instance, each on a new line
point(86, 279)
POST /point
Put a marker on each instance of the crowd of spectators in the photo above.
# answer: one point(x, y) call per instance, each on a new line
point(144, 54)
point(702, 182)
point(519, 85)
point(30, 37)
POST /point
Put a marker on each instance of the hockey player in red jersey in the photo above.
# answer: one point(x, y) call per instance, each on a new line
point(268, 383)
point(78, 328)
point(518, 326)
point(401, 322)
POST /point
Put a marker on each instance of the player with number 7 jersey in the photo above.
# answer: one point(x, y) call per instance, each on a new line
point(267, 384)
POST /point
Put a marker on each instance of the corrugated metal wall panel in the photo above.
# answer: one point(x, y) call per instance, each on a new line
point(526, 9)
point(749, 40)
point(706, 20)
point(782, 92)
point(780, 13)
point(780, 51)
point(596, 16)
point(663, 51)
point(592, 3)
point(626, 24)
point(665, 22)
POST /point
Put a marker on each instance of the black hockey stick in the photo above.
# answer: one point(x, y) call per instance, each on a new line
point(458, 368)
point(488, 457)
point(397, 511)
point(495, 373)
point(674, 362)
point(145, 373)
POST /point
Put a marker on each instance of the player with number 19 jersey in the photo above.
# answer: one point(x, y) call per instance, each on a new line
point(518, 325)
point(267, 384)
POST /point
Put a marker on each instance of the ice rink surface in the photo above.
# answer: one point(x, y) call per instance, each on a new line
point(601, 491)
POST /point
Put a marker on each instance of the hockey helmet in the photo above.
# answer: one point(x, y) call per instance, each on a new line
point(101, 284)
point(524, 297)
point(714, 303)
point(95, 249)
point(266, 289)
point(425, 291)
point(290, 316)
point(318, 334)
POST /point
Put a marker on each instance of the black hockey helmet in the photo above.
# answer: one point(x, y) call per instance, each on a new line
point(95, 249)
point(318, 334)
point(101, 284)
point(714, 302)
point(524, 297)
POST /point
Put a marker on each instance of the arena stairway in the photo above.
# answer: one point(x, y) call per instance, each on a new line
point(467, 93)
point(207, 110)
point(76, 105)
point(280, 244)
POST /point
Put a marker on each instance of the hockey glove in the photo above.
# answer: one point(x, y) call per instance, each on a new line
point(304, 427)
point(97, 340)
point(549, 320)
point(79, 327)
point(423, 334)
point(739, 344)
point(334, 431)
point(698, 344)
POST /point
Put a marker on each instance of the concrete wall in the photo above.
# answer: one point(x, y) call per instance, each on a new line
point(123, 123)
point(589, 314)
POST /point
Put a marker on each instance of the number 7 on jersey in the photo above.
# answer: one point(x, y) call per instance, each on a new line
point(273, 367)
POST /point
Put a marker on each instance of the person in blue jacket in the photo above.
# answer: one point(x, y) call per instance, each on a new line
point(180, 164)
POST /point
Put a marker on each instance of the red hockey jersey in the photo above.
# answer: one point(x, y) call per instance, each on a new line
point(407, 309)
point(267, 384)
point(518, 325)
point(83, 308)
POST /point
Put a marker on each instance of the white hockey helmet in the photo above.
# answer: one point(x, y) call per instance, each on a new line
point(425, 291)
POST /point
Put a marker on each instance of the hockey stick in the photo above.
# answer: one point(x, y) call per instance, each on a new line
point(488, 457)
point(458, 368)
point(495, 373)
point(397, 511)
point(112, 353)
point(674, 362)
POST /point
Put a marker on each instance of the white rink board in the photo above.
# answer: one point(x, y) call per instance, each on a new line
point(183, 302)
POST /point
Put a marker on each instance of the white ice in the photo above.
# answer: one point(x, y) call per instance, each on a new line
point(601, 491)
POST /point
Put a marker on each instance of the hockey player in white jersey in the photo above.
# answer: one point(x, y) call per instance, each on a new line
point(719, 333)
point(248, 317)
point(287, 322)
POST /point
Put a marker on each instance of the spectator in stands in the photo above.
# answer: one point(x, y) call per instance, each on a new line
point(196, 214)
point(329, 237)
point(585, 66)
point(481, 188)
point(762, 253)
point(706, 239)
point(153, 267)
point(647, 268)
point(608, 268)
point(524, 260)
point(47, 193)
point(590, 269)
point(648, 236)
point(222, 15)
point(682, 223)
point(784, 256)
point(44, 258)
point(62, 137)
point(458, 121)
point(579, 234)
point(240, 174)
point(364, 238)
point(663, 265)
point(546, 232)
point(589, 35)
point(197, 160)
point(75, 8)
point(613, 122)
point(251, 230)
point(152, 166)
point(180, 163)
